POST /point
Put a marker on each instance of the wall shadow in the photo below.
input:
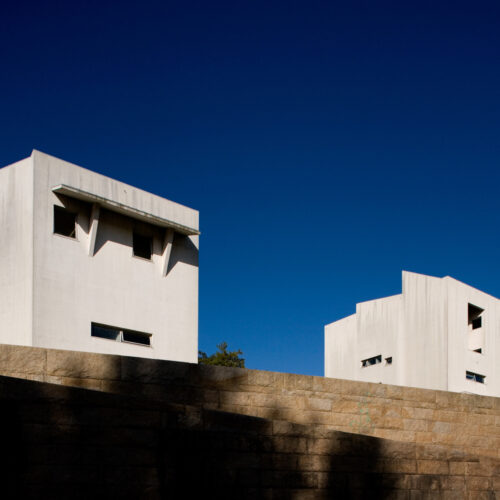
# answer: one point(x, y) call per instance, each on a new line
point(183, 250)
point(69, 442)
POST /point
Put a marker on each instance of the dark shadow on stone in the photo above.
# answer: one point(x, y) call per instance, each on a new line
point(356, 468)
point(67, 442)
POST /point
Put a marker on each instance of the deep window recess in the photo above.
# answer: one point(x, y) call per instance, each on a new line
point(105, 332)
point(476, 340)
point(136, 337)
point(477, 323)
point(371, 361)
point(475, 377)
point(142, 246)
point(388, 361)
point(64, 222)
point(475, 319)
point(120, 335)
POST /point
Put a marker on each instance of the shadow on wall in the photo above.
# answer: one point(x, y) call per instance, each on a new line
point(183, 250)
point(288, 464)
point(118, 228)
point(73, 443)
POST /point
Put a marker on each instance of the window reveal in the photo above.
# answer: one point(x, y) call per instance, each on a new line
point(371, 361)
point(142, 246)
point(64, 222)
point(120, 334)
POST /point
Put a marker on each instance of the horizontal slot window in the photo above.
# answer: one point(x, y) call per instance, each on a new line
point(105, 332)
point(136, 337)
point(475, 377)
point(371, 361)
point(120, 334)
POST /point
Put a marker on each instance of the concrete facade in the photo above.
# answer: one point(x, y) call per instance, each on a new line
point(438, 333)
point(55, 286)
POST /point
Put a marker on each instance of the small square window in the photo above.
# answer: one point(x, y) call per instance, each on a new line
point(388, 361)
point(64, 222)
point(142, 246)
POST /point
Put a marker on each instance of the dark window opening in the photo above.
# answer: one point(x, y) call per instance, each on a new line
point(136, 337)
point(480, 351)
point(475, 377)
point(105, 332)
point(64, 222)
point(119, 334)
point(388, 360)
point(475, 320)
point(371, 361)
point(142, 246)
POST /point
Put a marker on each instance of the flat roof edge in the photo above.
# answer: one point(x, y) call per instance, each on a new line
point(124, 209)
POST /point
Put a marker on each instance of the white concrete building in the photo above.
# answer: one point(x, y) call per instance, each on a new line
point(88, 263)
point(438, 334)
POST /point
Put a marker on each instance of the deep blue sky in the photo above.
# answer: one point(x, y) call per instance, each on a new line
point(328, 145)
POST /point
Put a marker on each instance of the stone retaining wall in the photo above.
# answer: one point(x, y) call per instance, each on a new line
point(66, 442)
point(468, 422)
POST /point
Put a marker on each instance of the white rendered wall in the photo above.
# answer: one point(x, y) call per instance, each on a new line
point(16, 252)
point(340, 348)
point(426, 331)
point(460, 357)
point(73, 289)
point(372, 331)
point(378, 327)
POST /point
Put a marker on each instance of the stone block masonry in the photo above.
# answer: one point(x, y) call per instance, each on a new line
point(157, 427)
point(465, 421)
point(67, 442)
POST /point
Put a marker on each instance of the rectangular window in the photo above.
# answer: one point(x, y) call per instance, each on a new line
point(371, 361)
point(120, 334)
point(388, 361)
point(475, 320)
point(64, 222)
point(142, 246)
point(136, 337)
point(475, 377)
point(475, 340)
point(105, 332)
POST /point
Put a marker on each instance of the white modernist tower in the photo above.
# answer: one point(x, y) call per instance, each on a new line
point(438, 334)
point(88, 263)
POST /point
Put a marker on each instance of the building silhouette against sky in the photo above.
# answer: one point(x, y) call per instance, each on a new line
point(439, 333)
point(88, 263)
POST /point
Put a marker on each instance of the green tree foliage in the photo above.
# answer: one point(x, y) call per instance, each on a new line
point(222, 357)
